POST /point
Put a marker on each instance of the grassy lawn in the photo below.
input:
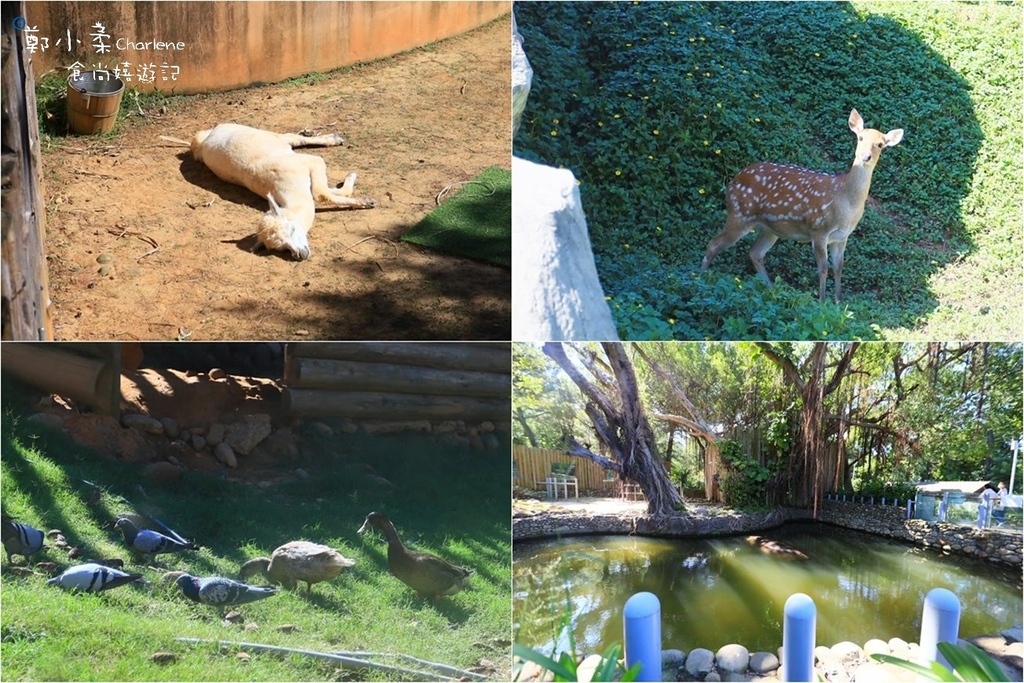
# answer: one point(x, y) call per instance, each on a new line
point(452, 501)
point(655, 107)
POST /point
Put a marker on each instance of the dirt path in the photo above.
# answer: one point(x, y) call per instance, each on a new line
point(145, 243)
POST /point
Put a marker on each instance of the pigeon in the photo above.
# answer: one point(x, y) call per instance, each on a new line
point(92, 578)
point(150, 542)
point(221, 592)
point(20, 539)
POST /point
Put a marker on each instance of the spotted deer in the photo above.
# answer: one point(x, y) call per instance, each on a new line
point(793, 203)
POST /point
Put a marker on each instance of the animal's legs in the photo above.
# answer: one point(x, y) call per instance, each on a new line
point(332, 140)
point(322, 192)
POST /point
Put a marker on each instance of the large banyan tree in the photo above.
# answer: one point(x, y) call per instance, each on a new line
point(609, 385)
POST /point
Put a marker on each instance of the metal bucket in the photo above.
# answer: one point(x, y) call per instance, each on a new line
point(93, 100)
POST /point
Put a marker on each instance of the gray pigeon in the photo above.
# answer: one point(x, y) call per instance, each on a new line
point(148, 541)
point(20, 539)
point(221, 592)
point(92, 578)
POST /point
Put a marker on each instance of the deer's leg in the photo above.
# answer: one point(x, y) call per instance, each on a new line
point(836, 250)
point(734, 229)
point(322, 192)
point(332, 140)
point(821, 257)
point(765, 241)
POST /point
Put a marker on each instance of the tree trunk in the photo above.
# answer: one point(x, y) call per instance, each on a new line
point(519, 416)
point(695, 425)
point(615, 410)
point(809, 464)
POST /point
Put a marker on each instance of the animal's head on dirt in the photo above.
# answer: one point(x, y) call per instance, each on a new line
point(279, 232)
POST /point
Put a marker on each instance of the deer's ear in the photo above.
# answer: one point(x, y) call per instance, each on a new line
point(856, 122)
point(893, 137)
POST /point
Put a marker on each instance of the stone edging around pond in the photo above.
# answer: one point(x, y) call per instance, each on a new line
point(994, 545)
point(841, 663)
point(549, 524)
point(988, 544)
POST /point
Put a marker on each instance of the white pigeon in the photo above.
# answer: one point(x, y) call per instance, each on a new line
point(92, 578)
point(221, 592)
point(20, 539)
point(148, 541)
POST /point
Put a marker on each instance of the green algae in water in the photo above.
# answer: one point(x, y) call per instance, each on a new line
point(719, 591)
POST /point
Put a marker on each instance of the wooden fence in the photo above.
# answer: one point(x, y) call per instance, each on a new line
point(533, 465)
point(399, 382)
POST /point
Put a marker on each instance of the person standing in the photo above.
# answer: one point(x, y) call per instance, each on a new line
point(988, 500)
point(999, 504)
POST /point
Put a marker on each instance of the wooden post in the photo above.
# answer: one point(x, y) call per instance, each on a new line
point(25, 292)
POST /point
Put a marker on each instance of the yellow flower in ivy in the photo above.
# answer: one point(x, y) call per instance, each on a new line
point(618, 172)
point(554, 132)
point(655, 131)
point(701, 191)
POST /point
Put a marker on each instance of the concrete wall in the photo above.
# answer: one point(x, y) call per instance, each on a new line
point(233, 44)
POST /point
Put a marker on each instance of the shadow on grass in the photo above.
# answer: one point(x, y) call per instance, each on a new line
point(438, 492)
point(655, 128)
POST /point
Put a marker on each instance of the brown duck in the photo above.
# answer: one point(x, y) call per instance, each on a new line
point(426, 574)
point(298, 561)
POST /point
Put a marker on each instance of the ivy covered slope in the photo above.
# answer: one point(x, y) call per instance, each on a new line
point(656, 106)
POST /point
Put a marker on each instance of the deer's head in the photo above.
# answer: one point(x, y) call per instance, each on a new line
point(871, 142)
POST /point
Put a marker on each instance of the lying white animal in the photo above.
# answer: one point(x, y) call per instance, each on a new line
point(267, 164)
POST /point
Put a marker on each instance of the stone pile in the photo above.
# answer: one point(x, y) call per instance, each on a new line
point(993, 545)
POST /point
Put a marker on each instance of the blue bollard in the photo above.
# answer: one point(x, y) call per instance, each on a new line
point(798, 635)
point(940, 623)
point(641, 619)
point(798, 638)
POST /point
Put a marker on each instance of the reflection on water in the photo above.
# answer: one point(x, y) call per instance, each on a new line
point(720, 591)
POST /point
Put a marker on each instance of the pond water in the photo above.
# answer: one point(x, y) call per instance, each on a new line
point(728, 590)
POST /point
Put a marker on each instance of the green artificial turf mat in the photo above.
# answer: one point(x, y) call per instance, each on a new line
point(475, 222)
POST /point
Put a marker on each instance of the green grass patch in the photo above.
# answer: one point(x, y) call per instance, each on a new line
point(447, 499)
point(475, 222)
point(655, 107)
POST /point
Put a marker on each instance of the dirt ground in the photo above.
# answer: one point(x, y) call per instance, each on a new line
point(145, 243)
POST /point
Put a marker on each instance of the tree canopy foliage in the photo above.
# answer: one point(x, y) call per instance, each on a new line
point(788, 422)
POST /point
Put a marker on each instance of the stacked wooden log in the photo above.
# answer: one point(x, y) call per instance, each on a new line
point(399, 382)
